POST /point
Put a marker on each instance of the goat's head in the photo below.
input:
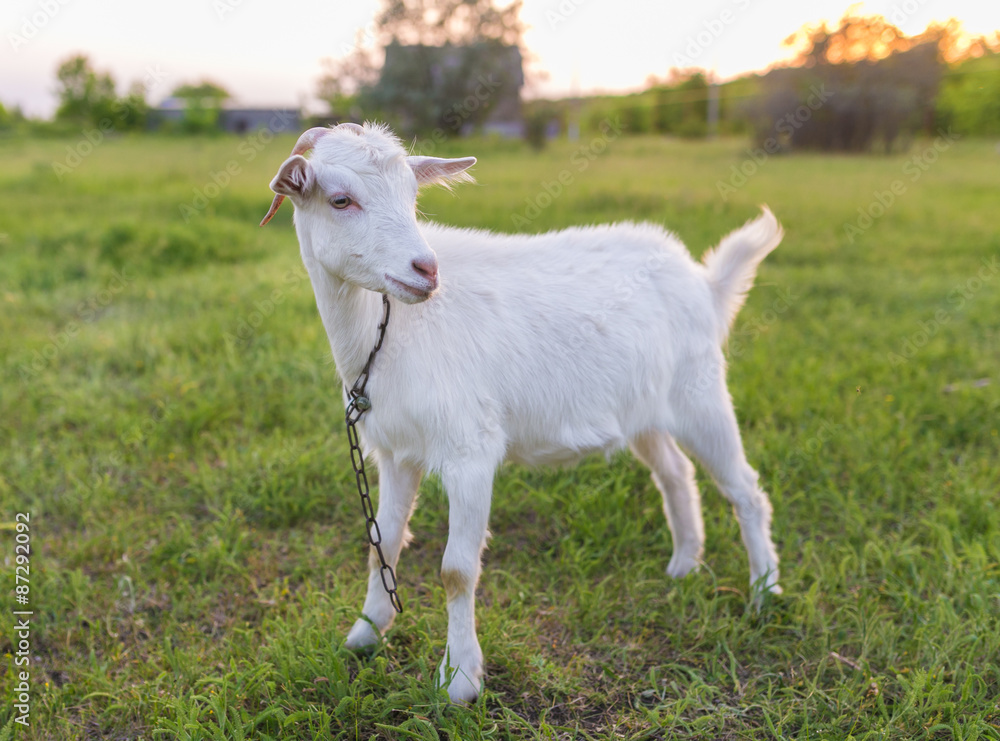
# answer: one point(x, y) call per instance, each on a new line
point(355, 205)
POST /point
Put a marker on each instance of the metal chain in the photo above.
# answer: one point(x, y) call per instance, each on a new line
point(357, 405)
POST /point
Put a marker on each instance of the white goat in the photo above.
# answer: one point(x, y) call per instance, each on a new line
point(535, 349)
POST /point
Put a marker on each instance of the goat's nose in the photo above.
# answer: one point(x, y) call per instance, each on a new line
point(427, 268)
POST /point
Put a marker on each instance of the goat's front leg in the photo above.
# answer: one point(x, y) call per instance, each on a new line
point(470, 489)
point(397, 494)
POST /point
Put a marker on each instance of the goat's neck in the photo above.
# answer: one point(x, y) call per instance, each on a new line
point(350, 315)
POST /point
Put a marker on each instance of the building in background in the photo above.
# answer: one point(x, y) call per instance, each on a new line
point(187, 115)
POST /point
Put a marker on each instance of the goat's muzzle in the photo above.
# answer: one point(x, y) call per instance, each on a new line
point(427, 269)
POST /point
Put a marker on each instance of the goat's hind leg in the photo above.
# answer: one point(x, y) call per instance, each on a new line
point(673, 475)
point(710, 433)
point(396, 498)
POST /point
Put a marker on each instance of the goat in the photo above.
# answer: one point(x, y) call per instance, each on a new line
point(537, 349)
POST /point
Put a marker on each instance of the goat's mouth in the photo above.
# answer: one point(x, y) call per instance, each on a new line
point(406, 291)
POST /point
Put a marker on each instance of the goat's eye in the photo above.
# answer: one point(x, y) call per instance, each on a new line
point(340, 202)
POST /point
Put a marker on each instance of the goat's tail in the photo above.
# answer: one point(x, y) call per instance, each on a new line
point(733, 264)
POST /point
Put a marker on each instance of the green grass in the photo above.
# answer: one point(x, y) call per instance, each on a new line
point(170, 418)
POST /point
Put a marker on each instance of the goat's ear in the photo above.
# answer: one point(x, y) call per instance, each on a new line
point(295, 177)
point(438, 171)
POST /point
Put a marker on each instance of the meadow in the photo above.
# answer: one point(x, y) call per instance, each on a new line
point(171, 425)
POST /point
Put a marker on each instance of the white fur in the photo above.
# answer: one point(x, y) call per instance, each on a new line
point(536, 349)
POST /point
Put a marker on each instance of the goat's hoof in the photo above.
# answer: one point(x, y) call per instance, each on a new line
point(465, 683)
point(681, 565)
point(363, 636)
point(763, 588)
point(463, 691)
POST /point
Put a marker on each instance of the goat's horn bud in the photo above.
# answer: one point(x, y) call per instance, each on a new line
point(308, 139)
point(305, 142)
point(356, 128)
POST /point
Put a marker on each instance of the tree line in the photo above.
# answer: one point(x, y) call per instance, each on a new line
point(442, 67)
point(878, 89)
point(88, 98)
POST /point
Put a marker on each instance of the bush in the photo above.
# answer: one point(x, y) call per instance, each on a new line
point(970, 97)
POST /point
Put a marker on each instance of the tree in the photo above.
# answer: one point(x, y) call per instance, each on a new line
point(10, 119)
point(431, 64)
point(133, 109)
point(460, 22)
point(970, 95)
point(206, 90)
point(681, 106)
point(859, 85)
point(202, 105)
point(88, 98)
point(85, 96)
point(347, 76)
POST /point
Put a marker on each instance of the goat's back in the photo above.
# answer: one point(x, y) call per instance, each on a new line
point(546, 347)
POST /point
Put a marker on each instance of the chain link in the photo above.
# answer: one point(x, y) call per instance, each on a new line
point(357, 405)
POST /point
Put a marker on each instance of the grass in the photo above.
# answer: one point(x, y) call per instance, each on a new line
point(169, 417)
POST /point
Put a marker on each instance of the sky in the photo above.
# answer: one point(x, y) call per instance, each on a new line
point(272, 55)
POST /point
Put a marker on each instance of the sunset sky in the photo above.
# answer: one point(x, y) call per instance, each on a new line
point(269, 54)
